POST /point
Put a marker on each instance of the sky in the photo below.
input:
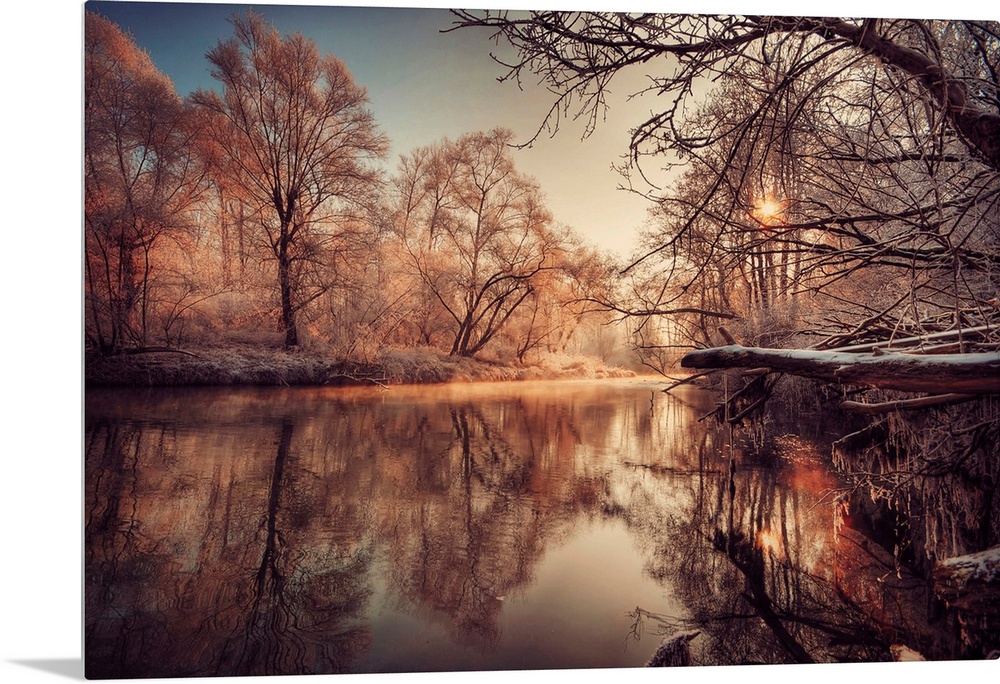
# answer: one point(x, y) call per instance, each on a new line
point(424, 86)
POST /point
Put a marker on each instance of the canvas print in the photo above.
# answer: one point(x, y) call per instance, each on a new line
point(431, 340)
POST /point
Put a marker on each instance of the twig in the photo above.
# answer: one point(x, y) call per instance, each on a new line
point(688, 380)
point(156, 350)
point(906, 404)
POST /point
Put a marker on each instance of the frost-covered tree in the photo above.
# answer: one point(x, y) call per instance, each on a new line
point(477, 233)
point(297, 146)
point(140, 181)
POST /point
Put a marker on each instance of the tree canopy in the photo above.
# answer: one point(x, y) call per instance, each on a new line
point(296, 141)
point(477, 233)
point(141, 177)
point(807, 156)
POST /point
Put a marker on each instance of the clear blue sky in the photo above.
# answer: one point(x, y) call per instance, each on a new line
point(424, 85)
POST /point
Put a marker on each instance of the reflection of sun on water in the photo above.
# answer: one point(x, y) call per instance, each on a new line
point(769, 541)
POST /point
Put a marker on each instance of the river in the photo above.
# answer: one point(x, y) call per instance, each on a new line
point(257, 531)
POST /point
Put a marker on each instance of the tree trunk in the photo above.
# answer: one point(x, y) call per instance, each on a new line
point(285, 285)
point(971, 582)
point(953, 373)
point(463, 336)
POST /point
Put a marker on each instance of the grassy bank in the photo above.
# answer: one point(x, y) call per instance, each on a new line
point(257, 366)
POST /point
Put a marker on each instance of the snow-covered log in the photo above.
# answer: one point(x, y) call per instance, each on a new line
point(970, 583)
point(956, 373)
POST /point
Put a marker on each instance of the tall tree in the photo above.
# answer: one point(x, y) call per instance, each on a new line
point(477, 233)
point(293, 134)
point(139, 180)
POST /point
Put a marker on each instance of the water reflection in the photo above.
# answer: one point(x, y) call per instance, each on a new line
point(246, 532)
point(764, 579)
point(202, 560)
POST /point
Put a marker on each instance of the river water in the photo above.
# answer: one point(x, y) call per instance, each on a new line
point(468, 527)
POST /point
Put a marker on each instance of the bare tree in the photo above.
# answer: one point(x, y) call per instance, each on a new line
point(140, 180)
point(812, 151)
point(477, 233)
point(293, 135)
point(855, 161)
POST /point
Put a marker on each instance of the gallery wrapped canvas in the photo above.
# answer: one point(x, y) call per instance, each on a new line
point(428, 340)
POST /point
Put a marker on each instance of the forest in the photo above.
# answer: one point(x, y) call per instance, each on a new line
point(264, 216)
point(828, 238)
point(834, 186)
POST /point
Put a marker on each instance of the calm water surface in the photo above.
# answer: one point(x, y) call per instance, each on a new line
point(508, 526)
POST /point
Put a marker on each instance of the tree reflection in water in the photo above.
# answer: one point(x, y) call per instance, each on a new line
point(258, 532)
point(292, 619)
point(204, 570)
point(766, 580)
point(459, 554)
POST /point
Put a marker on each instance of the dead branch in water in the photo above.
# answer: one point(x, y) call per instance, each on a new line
point(688, 380)
point(130, 351)
point(906, 404)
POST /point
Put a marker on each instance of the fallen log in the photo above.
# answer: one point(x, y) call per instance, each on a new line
point(954, 373)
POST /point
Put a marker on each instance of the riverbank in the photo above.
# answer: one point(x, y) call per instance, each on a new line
point(256, 366)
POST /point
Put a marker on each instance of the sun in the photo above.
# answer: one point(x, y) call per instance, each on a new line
point(771, 542)
point(768, 210)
